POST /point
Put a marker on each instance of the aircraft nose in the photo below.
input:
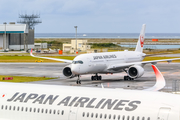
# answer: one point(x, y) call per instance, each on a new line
point(75, 69)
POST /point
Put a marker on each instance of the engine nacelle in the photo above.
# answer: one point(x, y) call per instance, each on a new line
point(67, 72)
point(135, 71)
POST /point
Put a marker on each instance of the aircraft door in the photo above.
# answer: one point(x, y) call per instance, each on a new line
point(163, 113)
point(73, 113)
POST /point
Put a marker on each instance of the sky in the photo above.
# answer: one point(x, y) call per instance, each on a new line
point(96, 16)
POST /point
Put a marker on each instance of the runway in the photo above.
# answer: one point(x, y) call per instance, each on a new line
point(170, 72)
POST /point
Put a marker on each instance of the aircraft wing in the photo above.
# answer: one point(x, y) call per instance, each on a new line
point(62, 60)
point(160, 81)
point(126, 65)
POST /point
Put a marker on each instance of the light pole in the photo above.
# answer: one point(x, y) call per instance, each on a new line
point(76, 38)
point(5, 36)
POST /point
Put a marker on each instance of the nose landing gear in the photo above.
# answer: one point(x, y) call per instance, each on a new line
point(78, 80)
point(96, 77)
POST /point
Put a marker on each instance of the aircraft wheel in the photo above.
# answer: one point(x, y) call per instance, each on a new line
point(92, 78)
point(79, 81)
point(99, 77)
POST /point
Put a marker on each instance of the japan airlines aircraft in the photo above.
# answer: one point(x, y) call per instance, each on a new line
point(109, 62)
point(52, 102)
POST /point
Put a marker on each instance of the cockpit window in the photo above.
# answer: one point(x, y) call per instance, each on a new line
point(77, 62)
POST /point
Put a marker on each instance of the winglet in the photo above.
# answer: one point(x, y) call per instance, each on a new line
point(31, 52)
point(160, 81)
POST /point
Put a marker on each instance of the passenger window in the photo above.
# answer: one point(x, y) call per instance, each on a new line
point(62, 113)
point(38, 110)
point(2, 107)
point(105, 116)
point(46, 111)
point(96, 115)
point(14, 108)
point(42, 110)
point(138, 118)
point(50, 111)
point(83, 114)
point(143, 118)
point(9, 107)
point(92, 115)
point(30, 109)
point(133, 118)
point(100, 115)
point(114, 117)
point(6, 107)
point(128, 118)
point(118, 117)
point(22, 108)
point(58, 112)
point(54, 111)
point(34, 109)
point(123, 117)
point(109, 116)
point(148, 118)
point(18, 109)
point(26, 109)
point(87, 114)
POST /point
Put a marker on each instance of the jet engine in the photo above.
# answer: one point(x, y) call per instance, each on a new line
point(135, 71)
point(67, 71)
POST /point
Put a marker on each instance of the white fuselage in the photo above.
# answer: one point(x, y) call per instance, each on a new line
point(47, 102)
point(99, 62)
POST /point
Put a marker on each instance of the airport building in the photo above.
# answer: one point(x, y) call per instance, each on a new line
point(81, 46)
point(16, 37)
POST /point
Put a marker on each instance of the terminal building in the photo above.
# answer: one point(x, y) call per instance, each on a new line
point(81, 45)
point(16, 37)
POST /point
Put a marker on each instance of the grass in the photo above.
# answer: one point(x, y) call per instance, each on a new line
point(18, 79)
point(31, 59)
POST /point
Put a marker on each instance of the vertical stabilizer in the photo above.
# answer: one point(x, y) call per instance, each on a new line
point(140, 43)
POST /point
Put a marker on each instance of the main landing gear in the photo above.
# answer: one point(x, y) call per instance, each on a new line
point(96, 77)
point(78, 80)
point(128, 78)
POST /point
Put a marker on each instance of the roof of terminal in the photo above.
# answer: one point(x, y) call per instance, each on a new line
point(13, 28)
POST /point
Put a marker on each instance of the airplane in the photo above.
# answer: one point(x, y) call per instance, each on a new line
point(109, 62)
point(53, 102)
